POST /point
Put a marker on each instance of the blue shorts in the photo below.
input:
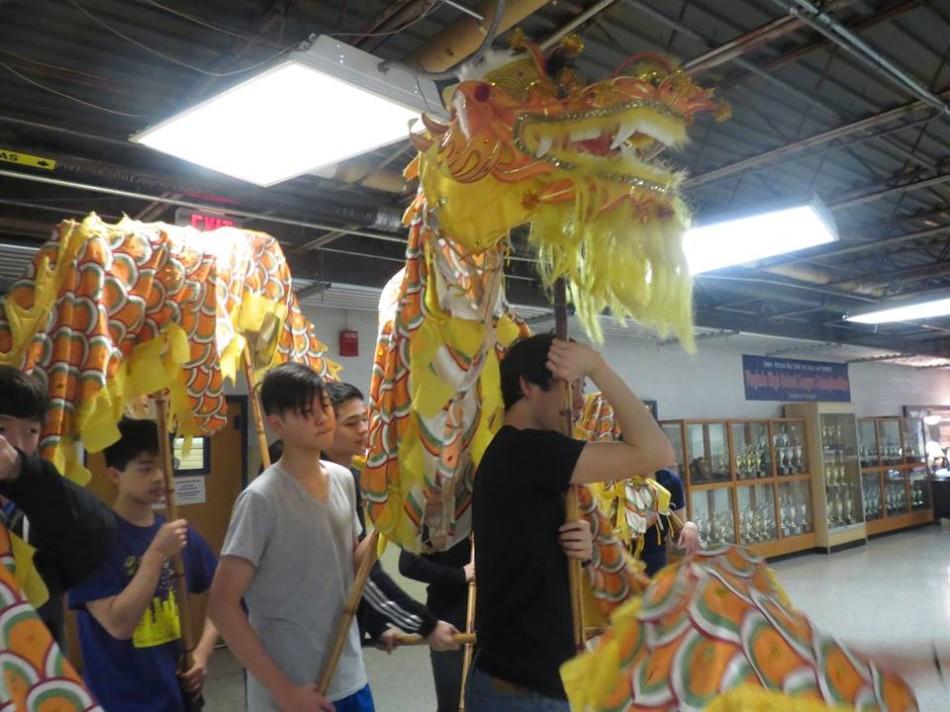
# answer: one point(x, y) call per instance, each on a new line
point(361, 701)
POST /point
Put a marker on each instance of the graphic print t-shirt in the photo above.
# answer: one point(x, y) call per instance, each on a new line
point(138, 675)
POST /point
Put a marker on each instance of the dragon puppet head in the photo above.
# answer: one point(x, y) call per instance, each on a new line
point(528, 141)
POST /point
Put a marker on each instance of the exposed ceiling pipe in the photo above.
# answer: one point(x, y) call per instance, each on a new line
point(375, 217)
point(462, 37)
point(806, 295)
point(795, 55)
point(902, 276)
point(569, 27)
point(829, 26)
point(749, 41)
point(30, 177)
point(789, 150)
point(847, 247)
point(874, 195)
point(818, 276)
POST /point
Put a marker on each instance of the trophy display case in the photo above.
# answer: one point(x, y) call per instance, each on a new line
point(894, 476)
point(836, 494)
point(747, 481)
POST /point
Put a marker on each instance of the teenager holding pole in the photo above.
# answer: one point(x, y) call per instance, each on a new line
point(131, 627)
point(523, 614)
point(290, 555)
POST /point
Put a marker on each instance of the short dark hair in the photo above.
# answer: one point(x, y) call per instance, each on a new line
point(527, 359)
point(21, 395)
point(341, 393)
point(136, 437)
point(290, 386)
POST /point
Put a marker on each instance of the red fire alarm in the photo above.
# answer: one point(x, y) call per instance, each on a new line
point(349, 342)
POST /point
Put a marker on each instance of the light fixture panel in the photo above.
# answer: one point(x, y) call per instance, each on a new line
point(318, 107)
point(902, 311)
point(750, 238)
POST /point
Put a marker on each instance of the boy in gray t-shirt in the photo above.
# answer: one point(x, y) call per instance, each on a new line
point(290, 554)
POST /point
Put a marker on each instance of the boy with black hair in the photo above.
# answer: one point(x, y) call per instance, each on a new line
point(129, 626)
point(70, 528)
point(290, 555)
point(383, 602)
point(523, 612)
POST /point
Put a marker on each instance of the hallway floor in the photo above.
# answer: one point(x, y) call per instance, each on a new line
point(893, 593)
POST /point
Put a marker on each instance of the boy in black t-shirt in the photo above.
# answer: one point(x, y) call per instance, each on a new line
point(523, 613)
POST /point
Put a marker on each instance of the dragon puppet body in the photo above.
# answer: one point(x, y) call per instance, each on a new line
point(107, 314)
point(525, 145)
point(530, 144)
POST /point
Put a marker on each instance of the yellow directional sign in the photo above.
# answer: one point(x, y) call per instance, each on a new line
point(25, 159)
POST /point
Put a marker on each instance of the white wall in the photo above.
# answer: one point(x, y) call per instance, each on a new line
point(706, 385)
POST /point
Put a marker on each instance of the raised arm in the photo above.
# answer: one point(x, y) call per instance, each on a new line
point(68, 523)
point(644, 447)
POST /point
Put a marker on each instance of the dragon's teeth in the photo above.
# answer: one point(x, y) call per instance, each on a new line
point(544, 145)
point(578, 135)
point(626, 130)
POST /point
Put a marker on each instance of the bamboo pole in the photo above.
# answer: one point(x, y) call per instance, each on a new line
point(171, 508)
point(416, 639)
point(256, 406)
point(404, 639)
point(469, 629)
point(573, 511)
point(349, 611)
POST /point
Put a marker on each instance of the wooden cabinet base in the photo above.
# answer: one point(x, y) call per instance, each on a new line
point(901, 521)
point(783, 547)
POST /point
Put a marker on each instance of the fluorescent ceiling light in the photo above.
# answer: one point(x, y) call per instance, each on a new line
point(906, 312)
point(320, 106)
point(755, 237)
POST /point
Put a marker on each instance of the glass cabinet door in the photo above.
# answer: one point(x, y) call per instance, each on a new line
point(869, 446)
point(895, 493)
point(674, 433)
point(712, 514)
point(919, 488)
point(892, 451)
point(708, 452)
point(794, 500)
point(757, 514)
point(791, 455)
point(750, 447)
point(873, 496)
point(915, 449)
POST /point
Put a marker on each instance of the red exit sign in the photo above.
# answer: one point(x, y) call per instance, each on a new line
point(204, 220)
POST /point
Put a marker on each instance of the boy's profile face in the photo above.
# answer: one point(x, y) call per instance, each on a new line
point(21, 433)
point(310, 430)
point(142, 480)
point(352, 428)
point(545, 405)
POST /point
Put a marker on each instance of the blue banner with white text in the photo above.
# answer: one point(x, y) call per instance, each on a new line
point(788, 379)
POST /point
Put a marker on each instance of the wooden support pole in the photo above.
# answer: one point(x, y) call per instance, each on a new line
point(416, 639)
point(469, 629)
point(171, 509)
point(574, 571)
point(256, 407)
point(349, 611)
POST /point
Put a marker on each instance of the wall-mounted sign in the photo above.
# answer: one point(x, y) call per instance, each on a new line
point(788, 379)
point(203, 220)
